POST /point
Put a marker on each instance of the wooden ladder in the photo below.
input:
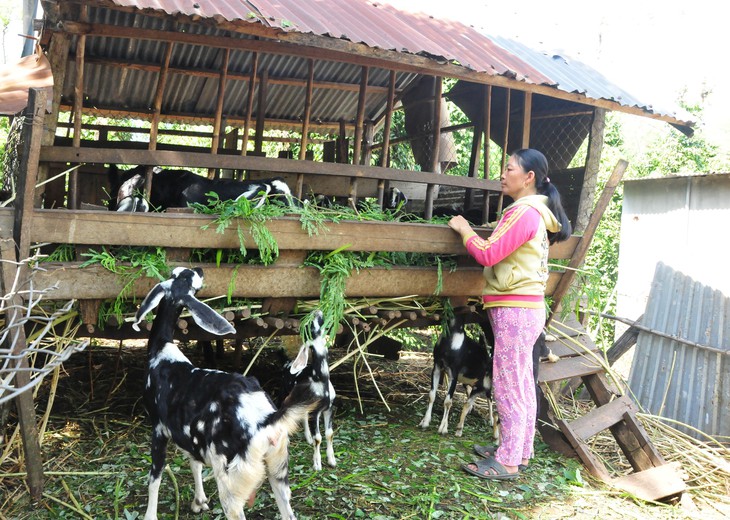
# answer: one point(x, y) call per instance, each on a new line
point(653, 479)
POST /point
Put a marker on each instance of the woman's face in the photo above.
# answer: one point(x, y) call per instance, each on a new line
point(516, 182)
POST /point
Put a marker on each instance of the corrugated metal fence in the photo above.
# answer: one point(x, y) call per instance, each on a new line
point(688, 378)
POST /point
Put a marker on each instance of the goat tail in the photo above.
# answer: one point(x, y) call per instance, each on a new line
point(296, 407)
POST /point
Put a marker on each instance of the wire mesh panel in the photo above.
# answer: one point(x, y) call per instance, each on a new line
point(50, 331)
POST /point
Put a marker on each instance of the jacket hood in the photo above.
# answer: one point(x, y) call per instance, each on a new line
point(539, 202)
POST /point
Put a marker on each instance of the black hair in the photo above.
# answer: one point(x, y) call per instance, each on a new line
point(531, 159)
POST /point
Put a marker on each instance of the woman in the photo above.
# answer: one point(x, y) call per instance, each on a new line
point(515, 257)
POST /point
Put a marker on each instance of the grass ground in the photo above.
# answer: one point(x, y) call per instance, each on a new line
point(97, 457)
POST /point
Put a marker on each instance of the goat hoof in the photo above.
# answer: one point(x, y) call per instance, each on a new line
point(458, 433)
point(423, 424)
point(199, 506)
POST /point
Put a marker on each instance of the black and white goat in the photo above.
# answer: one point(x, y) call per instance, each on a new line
point(462, 360)
point(179, 188)
point(217, 418)
point(318, 370)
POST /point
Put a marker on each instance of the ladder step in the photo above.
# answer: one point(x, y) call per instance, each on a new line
point(601, 417)
point(568, 368)
point(653, 484)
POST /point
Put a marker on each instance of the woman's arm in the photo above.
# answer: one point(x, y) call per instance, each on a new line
point(516, 227)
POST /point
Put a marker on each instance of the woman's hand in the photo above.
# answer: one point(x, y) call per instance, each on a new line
point(460, 225)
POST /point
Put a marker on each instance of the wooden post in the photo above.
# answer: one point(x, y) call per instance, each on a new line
point(73, 190)
point(156, 114)
point(582, 248)
point(487, 123)
point(307, 111)
point(435, 140)
point(505, 144)
point(593, 159)
point(261, 113)
point(249, 102)
point(388, 121)
point(218, 118)
point(23, 221)
point(57, 54)
point(357, 145)
point(527, 120)
point(342, 147)
point(28, 170)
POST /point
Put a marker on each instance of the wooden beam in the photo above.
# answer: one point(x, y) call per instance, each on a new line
point(187, 231)
point(232, 76)
point(197, 119)
point(246, 281)
point(273, 165)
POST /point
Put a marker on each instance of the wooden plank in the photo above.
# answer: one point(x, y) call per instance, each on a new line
point(600, 418)
point(185, 230)
point(653, 484)
point(93, 282)
point(274, 166)
point(567, 368)
point(592, 463)
point(207, 73)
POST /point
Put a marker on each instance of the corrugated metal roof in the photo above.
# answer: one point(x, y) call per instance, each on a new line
point(383, 26)
point(674, 378)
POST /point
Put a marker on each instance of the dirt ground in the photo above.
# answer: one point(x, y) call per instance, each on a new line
point(388, 468)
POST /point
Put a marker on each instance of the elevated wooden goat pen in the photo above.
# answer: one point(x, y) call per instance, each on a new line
point(255, 79)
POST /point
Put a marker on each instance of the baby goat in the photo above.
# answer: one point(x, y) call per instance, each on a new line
point(462, 360)
point(316, 372)
point(217, 418)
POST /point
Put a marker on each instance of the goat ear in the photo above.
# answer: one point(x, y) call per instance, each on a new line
point(300, 362)
point(150, 301)
point(207, 318)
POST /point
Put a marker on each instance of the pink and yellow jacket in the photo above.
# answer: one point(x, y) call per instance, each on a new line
point(515, 255)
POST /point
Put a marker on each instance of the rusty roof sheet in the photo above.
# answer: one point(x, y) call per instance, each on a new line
point(383, 26)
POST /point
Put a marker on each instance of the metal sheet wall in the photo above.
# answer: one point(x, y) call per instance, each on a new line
point(675, 379)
